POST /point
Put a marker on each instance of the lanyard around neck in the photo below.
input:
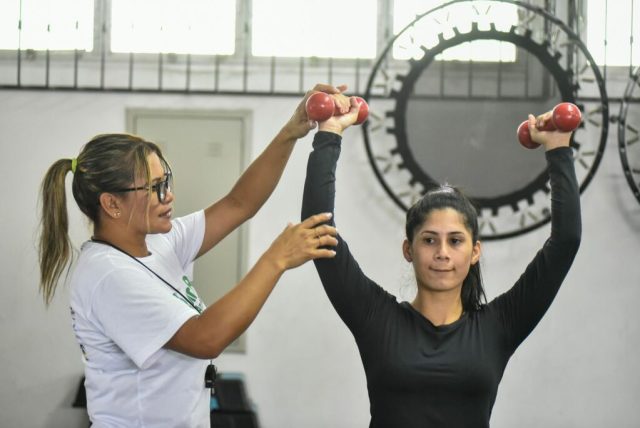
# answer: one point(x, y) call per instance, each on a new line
point(100, 241)
point(211, 371)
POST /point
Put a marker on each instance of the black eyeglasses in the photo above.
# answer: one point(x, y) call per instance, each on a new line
point(161, 187)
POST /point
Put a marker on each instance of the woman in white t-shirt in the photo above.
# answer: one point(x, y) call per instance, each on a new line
point(145, 335)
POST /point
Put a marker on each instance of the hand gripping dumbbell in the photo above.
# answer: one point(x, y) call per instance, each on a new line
point(320, 106)
point(565, 117)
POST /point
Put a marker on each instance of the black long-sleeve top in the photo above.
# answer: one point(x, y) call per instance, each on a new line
point(419, 374)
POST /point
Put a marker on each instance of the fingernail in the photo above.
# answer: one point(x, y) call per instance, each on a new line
point(328, 215)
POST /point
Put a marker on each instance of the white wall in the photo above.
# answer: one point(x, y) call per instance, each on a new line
point(578, 368)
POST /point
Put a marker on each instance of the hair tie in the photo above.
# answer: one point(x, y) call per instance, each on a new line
point(74, 164)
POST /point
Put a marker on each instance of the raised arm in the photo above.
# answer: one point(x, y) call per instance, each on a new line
point(525, 303)
point(256, 184)
point(354, 296)
point(207, 335)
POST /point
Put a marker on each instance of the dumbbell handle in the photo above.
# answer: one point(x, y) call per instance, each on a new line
point(321, 106)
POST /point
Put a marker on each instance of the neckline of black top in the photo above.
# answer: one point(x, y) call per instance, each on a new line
point(438, 328)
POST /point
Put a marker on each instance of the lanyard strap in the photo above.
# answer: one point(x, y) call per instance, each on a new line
point(100, 241)
point(210, 372)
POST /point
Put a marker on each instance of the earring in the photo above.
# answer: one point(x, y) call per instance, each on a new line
point(117, 214)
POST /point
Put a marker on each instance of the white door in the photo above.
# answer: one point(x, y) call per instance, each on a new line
point(206, 151)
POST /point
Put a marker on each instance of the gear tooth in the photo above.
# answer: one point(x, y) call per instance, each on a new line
point(546, 189)
point(492, 27)
point(394, 93)
point(402, 165)
point(494, 211)
point(546, 43)
point(391, 130)
point(557, 55)
point(546, 212)
point(530, 200)
point(515, 207)
point(440, 38)
point(513, 29)
point(456, 31)
point(413, 181)
point(394, 151)
point(474, 26)
point(431, 184)
point(528, 32)
point(389, 113)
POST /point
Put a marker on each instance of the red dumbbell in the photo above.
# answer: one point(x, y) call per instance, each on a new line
point(565, 117)
point(320, 106)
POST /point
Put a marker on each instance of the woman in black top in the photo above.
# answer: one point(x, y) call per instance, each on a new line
point(437, 361)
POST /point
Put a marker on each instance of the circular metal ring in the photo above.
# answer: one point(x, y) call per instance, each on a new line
point(522, 209)
point(628, 137)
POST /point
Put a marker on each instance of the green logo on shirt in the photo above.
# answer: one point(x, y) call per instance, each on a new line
point(192, 295)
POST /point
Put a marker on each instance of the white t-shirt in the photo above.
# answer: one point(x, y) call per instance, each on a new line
point(123, 315)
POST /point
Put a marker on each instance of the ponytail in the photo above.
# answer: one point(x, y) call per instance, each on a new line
point(54, 249)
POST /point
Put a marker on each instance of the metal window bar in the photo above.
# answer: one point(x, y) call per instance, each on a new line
point(216, 87)
point(606, 32)
point(76, 59)
point(631, 27)
point(19, 52)
point(272, 75)
point(103, 47)
point(47, 61)
point(188, 73)
point(130, 77)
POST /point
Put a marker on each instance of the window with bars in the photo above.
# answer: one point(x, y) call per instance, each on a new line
point(289, 28)
point(46, 25)
point(611, 29)
point(275, 46)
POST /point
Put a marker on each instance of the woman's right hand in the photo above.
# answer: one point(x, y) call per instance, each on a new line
point(302, 242)
point(349, 108)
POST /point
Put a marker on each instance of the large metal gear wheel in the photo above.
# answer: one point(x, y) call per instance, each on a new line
point(629, 136)
point(405, 178)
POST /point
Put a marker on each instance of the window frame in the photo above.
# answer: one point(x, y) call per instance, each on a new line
point(242, 54)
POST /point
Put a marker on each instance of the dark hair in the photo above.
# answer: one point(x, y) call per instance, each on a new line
point(446, 196)
point(106, 163)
